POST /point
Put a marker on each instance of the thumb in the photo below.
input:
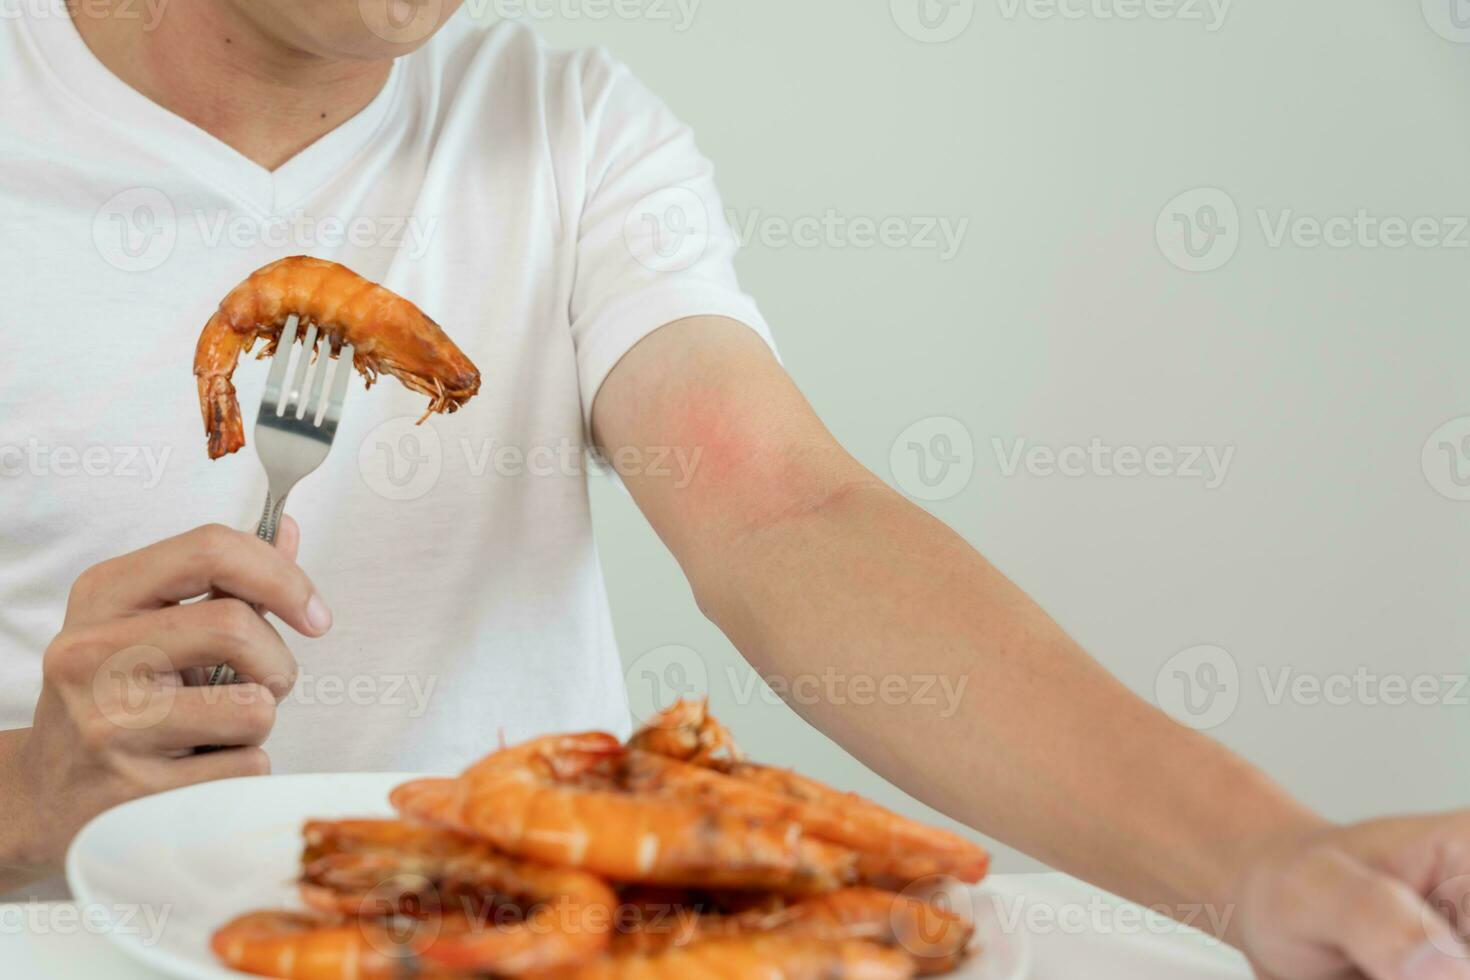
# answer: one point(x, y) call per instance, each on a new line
point(1385, 927)
point(288, 536)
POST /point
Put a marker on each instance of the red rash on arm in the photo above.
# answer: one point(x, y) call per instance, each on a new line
point(712, 463)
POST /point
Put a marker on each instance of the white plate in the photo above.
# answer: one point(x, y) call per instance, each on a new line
point(194, 858)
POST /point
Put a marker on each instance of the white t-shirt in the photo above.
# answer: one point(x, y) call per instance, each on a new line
point(542, 206)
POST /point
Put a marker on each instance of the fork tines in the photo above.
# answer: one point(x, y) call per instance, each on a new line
point(283, 407)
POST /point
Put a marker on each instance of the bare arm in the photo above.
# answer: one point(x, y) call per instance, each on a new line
point(808, 561)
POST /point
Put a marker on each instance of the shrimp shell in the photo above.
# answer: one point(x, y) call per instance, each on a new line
point(936, 938)
point(389, 867)
point(892, 850)
point(302, 946)
point(560, 800)
point(387, 332)
point(749, 958)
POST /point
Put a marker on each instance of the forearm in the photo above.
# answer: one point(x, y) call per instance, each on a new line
point(20, 864)
point(1022, 735)
point(809, 563)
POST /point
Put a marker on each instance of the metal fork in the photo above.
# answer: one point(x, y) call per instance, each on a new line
point(292, 432)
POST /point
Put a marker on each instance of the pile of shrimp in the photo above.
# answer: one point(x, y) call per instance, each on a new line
point(579, 857)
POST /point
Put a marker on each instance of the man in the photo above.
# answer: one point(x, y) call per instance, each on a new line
point(152, 156)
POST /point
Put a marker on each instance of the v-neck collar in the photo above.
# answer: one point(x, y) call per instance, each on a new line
point(181, 143)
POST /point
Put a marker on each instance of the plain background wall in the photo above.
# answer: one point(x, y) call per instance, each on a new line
point(1334, 548)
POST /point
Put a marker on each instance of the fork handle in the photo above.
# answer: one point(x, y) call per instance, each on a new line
point(266, 530)
point(270, 517)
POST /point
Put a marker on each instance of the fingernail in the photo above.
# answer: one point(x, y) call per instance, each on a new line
point(318, 616)
point(1430, 962)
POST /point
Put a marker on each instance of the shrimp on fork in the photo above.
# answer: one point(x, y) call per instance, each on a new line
point(387, 332)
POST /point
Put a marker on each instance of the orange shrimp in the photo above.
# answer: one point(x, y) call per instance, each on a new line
point(387, 332)
point(891, 849)
point(934, 936)
point(561, 800)
point(749, 958)
point(525, 916)
point(300, 946)
point(688, 732)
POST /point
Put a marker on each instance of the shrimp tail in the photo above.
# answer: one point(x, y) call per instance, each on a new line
point(219, 350)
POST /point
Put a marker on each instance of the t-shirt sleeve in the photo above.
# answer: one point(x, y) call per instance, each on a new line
point(653, 243)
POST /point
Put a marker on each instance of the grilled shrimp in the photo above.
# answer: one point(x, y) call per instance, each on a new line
point(934, 936)
point(748, 958)
point(301, 946)
point(891, 849)
point(526, 916)
point(688, 732)
point(388, 334)
point(561, 800)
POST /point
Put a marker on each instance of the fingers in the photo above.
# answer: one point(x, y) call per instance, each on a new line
point(175, 638)
point(1384, 927)
point(208, 558)
point(231, 714)
point(288, 537)
point(225, 764)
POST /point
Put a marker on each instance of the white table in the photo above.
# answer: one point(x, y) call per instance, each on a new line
point(1074, 931)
